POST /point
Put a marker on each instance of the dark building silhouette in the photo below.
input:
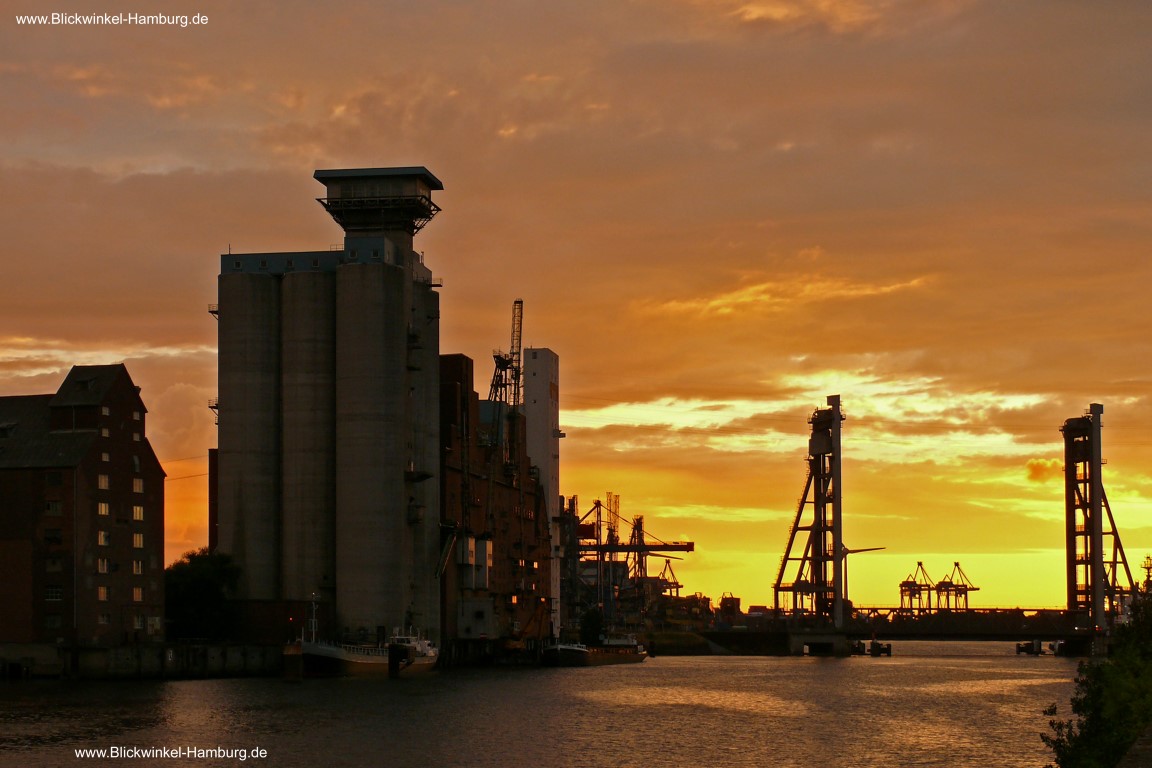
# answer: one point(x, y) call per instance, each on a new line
point(496, 561)
point(324, 480)
point(334, 453)
point(81, 515)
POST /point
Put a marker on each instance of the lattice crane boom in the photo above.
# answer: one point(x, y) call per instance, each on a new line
point(514, 353)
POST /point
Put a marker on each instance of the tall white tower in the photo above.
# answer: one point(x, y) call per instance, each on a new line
point(542, 417)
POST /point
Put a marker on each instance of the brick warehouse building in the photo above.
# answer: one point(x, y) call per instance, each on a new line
point(81, 515)
point(496, 564)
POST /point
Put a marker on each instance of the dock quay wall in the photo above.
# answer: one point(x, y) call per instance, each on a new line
point(172, 661)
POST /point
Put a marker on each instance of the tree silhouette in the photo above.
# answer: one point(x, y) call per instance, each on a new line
point(197, 588)
point(591, 626)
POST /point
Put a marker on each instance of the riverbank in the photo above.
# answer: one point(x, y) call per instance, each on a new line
point(209, 660)
point(678, 644)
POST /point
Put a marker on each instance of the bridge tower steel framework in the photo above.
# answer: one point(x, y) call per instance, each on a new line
point(1095, 586)
point(817, 586)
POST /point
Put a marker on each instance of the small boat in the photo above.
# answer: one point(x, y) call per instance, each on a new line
point(621, 649)
point(875, 648)
point(613, 650)
point(565, 655)
point(414, 653)
point(403, 654)
point(1030, 647)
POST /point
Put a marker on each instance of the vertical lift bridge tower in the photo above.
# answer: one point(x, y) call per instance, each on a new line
point(1096, 587)
point(817, 584)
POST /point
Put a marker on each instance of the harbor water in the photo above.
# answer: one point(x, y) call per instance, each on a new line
point(946, 704)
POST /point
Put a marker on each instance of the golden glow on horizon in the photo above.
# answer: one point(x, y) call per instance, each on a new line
point(186, 504)
point(979, 468)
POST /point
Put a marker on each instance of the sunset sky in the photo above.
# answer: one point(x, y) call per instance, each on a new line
point(717, 214)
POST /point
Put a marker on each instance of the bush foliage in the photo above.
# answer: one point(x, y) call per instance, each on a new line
point(1112, 702)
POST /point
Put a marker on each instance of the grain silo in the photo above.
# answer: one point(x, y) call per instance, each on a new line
point(328, 413)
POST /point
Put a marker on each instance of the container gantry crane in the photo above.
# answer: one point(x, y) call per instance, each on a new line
point(600, 542)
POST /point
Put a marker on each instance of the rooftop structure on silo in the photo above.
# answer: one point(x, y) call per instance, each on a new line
point(372, 201)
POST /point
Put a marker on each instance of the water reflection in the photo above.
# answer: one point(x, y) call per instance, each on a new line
point(910, 710)
point(41, 714)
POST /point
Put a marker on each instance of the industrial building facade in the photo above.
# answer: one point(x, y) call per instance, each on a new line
point(327, 414)
point(81, 515)
point(337, 480)
point(496, 569)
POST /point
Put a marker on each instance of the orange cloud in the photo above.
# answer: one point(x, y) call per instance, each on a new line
point(1043, 470)
point(775, 296)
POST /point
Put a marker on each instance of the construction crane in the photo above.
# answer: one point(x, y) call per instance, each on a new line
point(506, 380)
point(505, 394)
